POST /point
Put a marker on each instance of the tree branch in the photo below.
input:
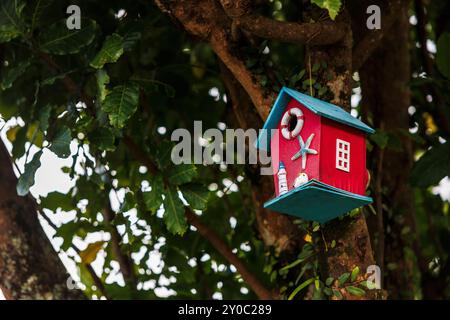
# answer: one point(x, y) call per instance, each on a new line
point(260, 99)
point(98, 282)
point(226, 252)
point(125, 262)
point(207, 20)
point(372, 39)
point(206, 232)
point(315, 33)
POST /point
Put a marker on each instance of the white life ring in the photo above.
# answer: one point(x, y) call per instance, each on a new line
point(285, 123)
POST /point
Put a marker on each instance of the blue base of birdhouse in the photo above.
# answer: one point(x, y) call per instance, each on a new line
point(317, 201)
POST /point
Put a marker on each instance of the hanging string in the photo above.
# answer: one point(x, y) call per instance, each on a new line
point(310, 74)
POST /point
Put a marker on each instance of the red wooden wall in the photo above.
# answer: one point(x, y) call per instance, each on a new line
point(282, 149)
point(355, 180)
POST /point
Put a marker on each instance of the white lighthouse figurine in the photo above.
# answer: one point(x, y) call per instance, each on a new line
point(282, 180)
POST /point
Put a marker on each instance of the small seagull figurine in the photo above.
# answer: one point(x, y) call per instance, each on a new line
point(304, 150)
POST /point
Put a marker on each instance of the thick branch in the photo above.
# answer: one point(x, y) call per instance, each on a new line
point(207, 20)
point(29, 266)
point(316, 33)
point(260, 99)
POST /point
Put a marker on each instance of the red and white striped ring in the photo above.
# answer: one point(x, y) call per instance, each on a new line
point(287, 134)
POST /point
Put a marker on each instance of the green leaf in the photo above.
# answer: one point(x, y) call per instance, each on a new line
point(306, 253)
point(163, 154)
point(68, 230)
point(61, 143)
point(300, 287)
point(110, 52)
point(316, 227)
point(153, 199)
point(355, 291)
point(38, 10)
point(443, 52)
point(354, 274)
point(196, 195)
point(329, 281)
point(333, 244)
point(322, 91)
point(102, 81)
point(18, 136)
point(51, 80)
point(102, 138)
point(131, 37)
point(10, 19)
point(316, 67)
point(11, 74)
point(317, 284)
point(153, 85)
point(56, 200)
point(121, 103)
point(328, 291)
point(60, 40)
point(44, 116)
point(26, 180)
point(182, 173)
point(333, 6)
point(174, 212)
point(337, 294)
point(343, 278)
point(432, 166)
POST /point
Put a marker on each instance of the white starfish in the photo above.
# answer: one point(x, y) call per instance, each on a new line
point(304, 150)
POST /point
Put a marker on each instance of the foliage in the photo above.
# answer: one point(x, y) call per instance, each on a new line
point(136, 77)
point(332, 6)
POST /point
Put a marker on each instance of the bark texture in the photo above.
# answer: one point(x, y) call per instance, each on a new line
point(29, 266)
point(353, 247)
point(385, 94)
point(215, 25)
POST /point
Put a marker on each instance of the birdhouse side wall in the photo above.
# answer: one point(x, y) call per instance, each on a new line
point(343, 157)
point(283, 149)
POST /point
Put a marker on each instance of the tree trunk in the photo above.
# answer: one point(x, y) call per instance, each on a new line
point(385, 94)
point(29, 266)
point(353, 247)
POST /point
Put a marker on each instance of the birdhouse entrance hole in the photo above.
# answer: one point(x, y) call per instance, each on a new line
point(292, 123)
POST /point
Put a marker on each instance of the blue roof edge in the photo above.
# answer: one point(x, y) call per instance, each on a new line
point(302, 98)
point(263, 141)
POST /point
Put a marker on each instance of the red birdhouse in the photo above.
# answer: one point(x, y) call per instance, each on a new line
point(318, 155)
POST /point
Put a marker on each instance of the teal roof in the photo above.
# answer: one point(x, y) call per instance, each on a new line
point(317, 106)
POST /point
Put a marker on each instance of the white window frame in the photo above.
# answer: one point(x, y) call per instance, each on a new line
point(342, 155)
